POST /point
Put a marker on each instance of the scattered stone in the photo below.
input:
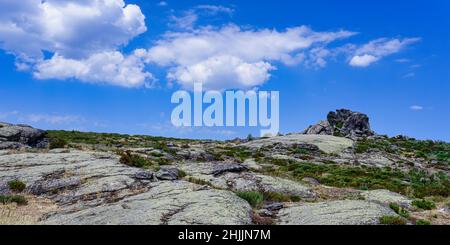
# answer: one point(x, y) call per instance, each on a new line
point(54, 185)
point(225, 168)
point(311, 181)
point(273, 206)
point(168, 173)
point(144, 175)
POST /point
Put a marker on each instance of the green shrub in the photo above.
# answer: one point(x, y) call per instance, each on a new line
point(254, 198)
point(17, 185)
point(127, 158)
point(424, 204)
point(280, 197)
point(20, 200)
point(392, 220)
point(423, 222)
point(399, 210)
point(57, 143)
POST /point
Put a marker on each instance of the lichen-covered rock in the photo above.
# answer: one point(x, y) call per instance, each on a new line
point(173, 203)
point(322, 128)
point(386, 197)
point(168, 173)
point(326, 143)
point(343, 123)
point(347, 212)
point(221, 168)
point(18, 136)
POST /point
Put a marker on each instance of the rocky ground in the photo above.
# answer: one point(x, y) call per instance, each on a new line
point(337, 172)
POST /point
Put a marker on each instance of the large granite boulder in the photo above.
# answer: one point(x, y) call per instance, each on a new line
point(345, 123)
point(19, 136)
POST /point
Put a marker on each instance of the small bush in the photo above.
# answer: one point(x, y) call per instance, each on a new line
point(254, 198)
point(399, 210)
point(57, 143)
point(20, 200)
point(133, 160)
point(392, 220)
point(17, 185)
point(280, 197)
point(423, 222)
point(424, 204)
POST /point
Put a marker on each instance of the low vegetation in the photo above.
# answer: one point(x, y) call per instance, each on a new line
point(112, 140)
point(429, 150)
point(399, 210)
point(392, 220)
point(424, 204)
point(423, 222)
point(16, 185)
point(414, 183)
point(19, 200)
point(254, 198)
point(135, 160)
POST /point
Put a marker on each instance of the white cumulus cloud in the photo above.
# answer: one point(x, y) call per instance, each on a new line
point(237, 58)
point(377, 49)
point(76, 32)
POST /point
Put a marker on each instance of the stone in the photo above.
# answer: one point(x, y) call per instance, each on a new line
point(273, 206)
point(165, 203)
point(53, 185)
point(144, 175)
point(311, 181)
point(346, 212)
point(228, 167)
point(16, 136)
point(322, 128)
point(386, 197)
point(168, 173)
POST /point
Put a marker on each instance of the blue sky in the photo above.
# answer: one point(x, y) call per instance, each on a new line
point(112, 66)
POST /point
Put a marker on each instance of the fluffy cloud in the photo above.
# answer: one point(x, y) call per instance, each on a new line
point(416, 108)
point(377, 49)
point(237, 58)
point(107, 67)
point(76, 32)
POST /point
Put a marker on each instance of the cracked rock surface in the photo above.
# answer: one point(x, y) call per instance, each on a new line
point(93, 188)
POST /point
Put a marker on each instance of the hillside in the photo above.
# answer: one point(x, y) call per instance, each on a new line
point(337, 172)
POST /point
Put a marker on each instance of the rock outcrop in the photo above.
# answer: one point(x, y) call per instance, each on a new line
point(347, 212)
point(20, 136)
point(344, 123)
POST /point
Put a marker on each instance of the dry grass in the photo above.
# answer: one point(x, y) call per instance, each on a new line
point(12, 214)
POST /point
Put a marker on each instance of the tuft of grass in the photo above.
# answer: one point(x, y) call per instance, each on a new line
point(424, 204)
point(198, 181)
point(16, 185)
point(392, 220)
point(56, 143)
point(399, 210)
point(280, 197)
point(423, 222)
point(127, 158)
point(254, 198)
point(20, 200)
